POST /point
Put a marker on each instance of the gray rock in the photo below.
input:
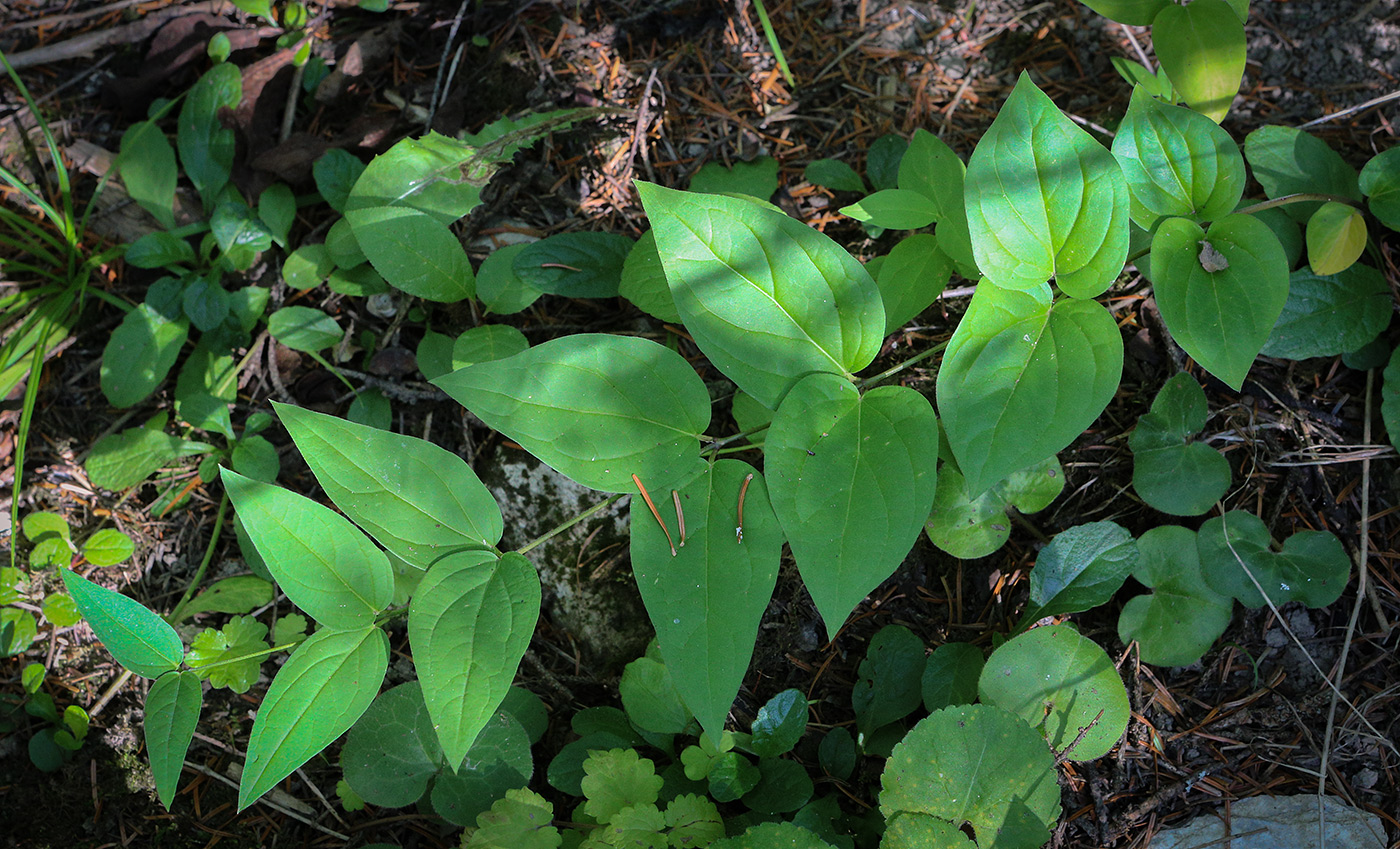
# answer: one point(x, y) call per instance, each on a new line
point(1264, 822)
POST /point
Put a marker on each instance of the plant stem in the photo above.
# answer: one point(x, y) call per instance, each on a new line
point(1297, 197)
point(893, 370)
point(559, 529)
point(203, 564)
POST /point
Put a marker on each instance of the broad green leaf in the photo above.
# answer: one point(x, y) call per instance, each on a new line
point(1330, 315)
point(837, 753)
point(852, 480)
point(499, 288)
point(651, 697)
point(254, 457)
point(108, 547)
point(171, 714)
point(359, 282)
point(325, 686)
point(1170, 472)
point(230, 656)
point(1380, 182)
point(921, 831)
point(32, 677)
point(304, 329)
point(1390, 397)
point(912, 277)
point(40, 526)
point(324, 565)
point(706, 602)
point(159, 250)
point(125, 459)
point(1022, 378)
point(522, 820)
point(1202, 49)
point(932, 169)
point(767, 298)
point(574, 265)
point(833, 174)
point(434, 354)
point(1059, 681)
point(18, 629)
point(968, 527)
point(1177, 162)
point(1235, 551)
point(469, 623)
point(780, 723)
point(1336, 236)
point(644, 280)
point(149, 173)
point(205, 302)
point(391, 752)
point(751, 416)
point(1182, 617)
point(239, 594)
point(139, 355)
point(1080, 569)
point(1285, 160)
point(206, 146)
point(1138, 13)
point(206, 386)
point(596, 408)
point(950, 676)
point(894, 209)
point(758, 178)
point(498, 762)
point(1045, 200)
point(423, 174)
point(417, 499)
point(60, 610)
point(1220, 291)
point(342, 245)
point(773, 835)
point(277, 208)
point(732, 776)
point(486, 343)
point(889, 685)
point(566, 770)
point(140, 640)
point(238, 232)
point(977, 764)
point(1289, 234)
point(882, 161)
point(1137, 74)
point(618, 779)
point(335, 173)
point(414, 252)
point(783, 787)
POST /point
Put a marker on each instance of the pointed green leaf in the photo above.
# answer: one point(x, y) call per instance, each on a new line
point(321, 561)
point(1182, 617)
point(644, 280)
point(499, 288)
point(120, 460)
point(1137, 74)
point(335, 174)
point(852, 480)
point(304, 329)
point(148, 171)
point(317, 695)
point(1236, 552)
point(417, 499)
point(1177, 162)
point(833, 174)
point(172, 712)
point(574, 265)
point(651, 698)
point(391, 752)
point(932, 169)
point(140, 640)
point(706, 602)
point(1170, 472)
point(894, 209)
point(139, 355)
point(1285, 160)
point(1380, 182)
point(1080, 569)
point(1045, 200)
point(1330, 315)
point(950, 676)
point(1138, 13)
point(1022, 378)
point(780, 723)
point(1202, 49)
point(470, 622)
point(912, 277)
point(768, 299)
point(206, 146)
point(1336, 236)
point(486, 343)
point(414, 253)
point(596, 408)
point(889, 686)
point(1220, 291)
point(239, 594)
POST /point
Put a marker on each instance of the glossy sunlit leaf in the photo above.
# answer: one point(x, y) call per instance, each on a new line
point(140, 640)
point(1170, 472)
point(780, 723)
point(1380, 182)
point(1177, 162)
point(417, 499)
point(172, 712)
point(574, 265)
point(1137, 74)
point(706, 602)
point(932, 169)
point(1220, 291)
point(1336, 236)
point(470, 622)
point(1138, 13)
point(1202, 48)
point(148, 171)
point(321, 561)
point(768, 299)
point(597, 408)
point(423, 174)
point(1236, 552)
point(644, 280)
point(1182, 617)
point(1022, 378)
point(391, 752)
point(912, 277)
point(894, 209)
point(239, 594)
point(1286, 160)
point(139, 354)
point(1330, 315)
point(1059, 681)
point(852, 480)
point(1080, 569)
point(413, 252)
point(975, 764)
point(206, 146)
point(1045, 200)
point(317, 695)
point(230, 656)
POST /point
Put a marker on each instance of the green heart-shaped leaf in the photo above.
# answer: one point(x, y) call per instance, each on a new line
point(1170, 472)
point(1182, 617)
point(913, 275)
point(391, 752)
point(1336, 236)
point(1202, 49)
point(1380, 182)
point(1081, 568)
point(574, 265)
point(1286, 160)
point(968, 527)
point(1330, 315)
point(1312, 567)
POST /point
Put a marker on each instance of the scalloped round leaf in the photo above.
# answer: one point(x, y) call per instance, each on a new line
point(1177, 162)
point(321, 561)
point(1312, 567)
point(1080, 569)
point(1380, 183)
point(1202, 49)
point(977, 764)
point(320, 691)
point(644, 280)
point(1044, 200)
point(1336, 236)
point(773, 835)
point(391, 752)
point(140, 640)
point(707, 600)
point(921, 831)
point(1327, 315)
point(596, 408)
point(171, 714)
point(1059, 679)
point(1182, 617)
point(574, 265)
point(470, 622)
point(414, 252)
point(950, 676)
point(498, 762)
point(766, 298)
point(1171, 473)
point(852, 480)
point(1022, 378)
point(522, 820)
point(964, 526)
point(1220, 291)
point(1286, 160)
point(912, 276)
